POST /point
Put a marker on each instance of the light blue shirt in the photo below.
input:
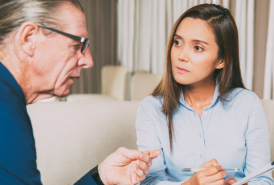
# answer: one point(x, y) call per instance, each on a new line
point(234, 133)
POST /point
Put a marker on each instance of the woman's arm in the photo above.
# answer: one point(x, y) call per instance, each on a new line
point(257, 144)
point(147, 139)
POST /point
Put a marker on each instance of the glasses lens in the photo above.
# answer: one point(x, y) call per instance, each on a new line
point(85, 45)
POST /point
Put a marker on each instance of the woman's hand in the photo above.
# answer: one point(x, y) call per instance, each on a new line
point(212, 175)
point(230, 181)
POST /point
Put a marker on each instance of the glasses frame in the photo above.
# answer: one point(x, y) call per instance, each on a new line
point(83, 40)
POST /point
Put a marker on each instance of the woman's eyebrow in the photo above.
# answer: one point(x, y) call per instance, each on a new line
point(200, 41)
point(196, 40)
point(176, 35)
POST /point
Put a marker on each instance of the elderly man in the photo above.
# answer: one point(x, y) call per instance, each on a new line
point(43, 47)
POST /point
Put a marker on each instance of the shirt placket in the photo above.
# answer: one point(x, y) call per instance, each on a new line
point(200, 139)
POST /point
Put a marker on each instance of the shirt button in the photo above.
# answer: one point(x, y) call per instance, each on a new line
point(200, 156)
point(205, 112)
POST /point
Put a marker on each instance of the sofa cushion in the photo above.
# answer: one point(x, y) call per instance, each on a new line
point(72, 138)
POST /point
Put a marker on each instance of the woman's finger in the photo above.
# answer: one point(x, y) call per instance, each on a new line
point(212, 162)
point(218, 182)
point(218, 176)
point(212, 170)
point(230, 181)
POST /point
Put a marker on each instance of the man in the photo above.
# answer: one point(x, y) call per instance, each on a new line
point(43, 47)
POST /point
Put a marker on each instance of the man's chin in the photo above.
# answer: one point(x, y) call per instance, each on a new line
point(64, 89)
point(62, 93)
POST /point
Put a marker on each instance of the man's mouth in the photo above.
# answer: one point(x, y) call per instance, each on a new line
point(74, 77)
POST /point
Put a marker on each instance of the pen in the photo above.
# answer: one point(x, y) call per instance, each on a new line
point(200, 169)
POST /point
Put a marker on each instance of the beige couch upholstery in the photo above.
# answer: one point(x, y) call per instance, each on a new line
point(71, 138)
point(142, 85)
point(113, 86)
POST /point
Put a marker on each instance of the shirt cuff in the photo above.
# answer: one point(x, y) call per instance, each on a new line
point(86, 180)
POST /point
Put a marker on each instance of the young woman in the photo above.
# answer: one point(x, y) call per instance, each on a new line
point(201, 113)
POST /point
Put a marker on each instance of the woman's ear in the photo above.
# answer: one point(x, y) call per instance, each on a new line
point(221, 64)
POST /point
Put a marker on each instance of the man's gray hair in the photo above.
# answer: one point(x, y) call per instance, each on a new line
point(13, 13)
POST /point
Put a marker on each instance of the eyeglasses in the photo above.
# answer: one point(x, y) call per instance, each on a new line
point(83, 40)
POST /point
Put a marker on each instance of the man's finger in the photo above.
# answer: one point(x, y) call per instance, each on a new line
point(143, 166)
point(147, 152)
point(140, 174)
point(133, 154)
point(154, 154)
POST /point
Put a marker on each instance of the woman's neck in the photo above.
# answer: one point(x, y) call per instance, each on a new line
point(199, 95)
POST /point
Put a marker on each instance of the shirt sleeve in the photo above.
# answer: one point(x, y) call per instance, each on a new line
point(86, 180)
point(147, 139)
point(257, 144)
point(17, 147)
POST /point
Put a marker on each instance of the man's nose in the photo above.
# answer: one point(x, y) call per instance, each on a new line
point(86, 61)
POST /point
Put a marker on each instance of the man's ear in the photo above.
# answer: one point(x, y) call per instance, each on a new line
point(27, 37)
point(221, 64)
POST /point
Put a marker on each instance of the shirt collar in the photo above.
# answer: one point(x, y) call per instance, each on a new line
point(213, 102)
point(7, 78)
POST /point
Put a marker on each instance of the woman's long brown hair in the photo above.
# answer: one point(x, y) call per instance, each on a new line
point(226, 36)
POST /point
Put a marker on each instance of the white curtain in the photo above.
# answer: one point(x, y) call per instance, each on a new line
point(245, 23)
point(126, 32)
point(143, 30)
point(269, 67)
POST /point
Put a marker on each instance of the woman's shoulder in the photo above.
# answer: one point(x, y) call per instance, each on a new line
point(243, 98)
point(152, 102)
point(242, 94)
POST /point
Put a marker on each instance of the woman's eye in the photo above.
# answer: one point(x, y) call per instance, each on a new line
point(198, 48)
point(177, 43)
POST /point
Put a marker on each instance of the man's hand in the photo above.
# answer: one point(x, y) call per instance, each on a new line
point(126, 167)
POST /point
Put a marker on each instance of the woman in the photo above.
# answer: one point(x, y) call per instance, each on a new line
point(200, 111)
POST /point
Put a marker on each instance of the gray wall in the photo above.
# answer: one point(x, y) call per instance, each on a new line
point(102, 30)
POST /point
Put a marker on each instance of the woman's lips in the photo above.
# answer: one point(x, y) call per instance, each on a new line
point(181, 70)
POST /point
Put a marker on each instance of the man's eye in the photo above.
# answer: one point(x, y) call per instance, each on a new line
point(177, 43)
point(198, 48)
point(77, 47)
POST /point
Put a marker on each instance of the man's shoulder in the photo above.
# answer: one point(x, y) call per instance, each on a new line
point(12, 109)
point(5, 91)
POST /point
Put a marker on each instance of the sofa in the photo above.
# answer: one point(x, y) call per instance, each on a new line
point(72, 138)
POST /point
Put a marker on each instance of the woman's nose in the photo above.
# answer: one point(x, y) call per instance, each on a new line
point(183, 56)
